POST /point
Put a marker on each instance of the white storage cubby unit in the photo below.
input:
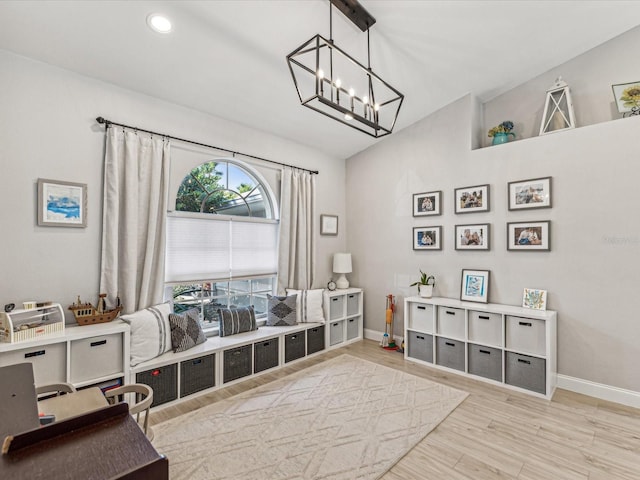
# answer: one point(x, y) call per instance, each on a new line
point(512, 346)
point(343, 311)
point(81, 355)
point(221, 361)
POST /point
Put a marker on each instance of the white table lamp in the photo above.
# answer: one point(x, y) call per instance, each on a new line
point(342, 265)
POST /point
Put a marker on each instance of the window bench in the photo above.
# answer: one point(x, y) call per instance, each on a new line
point(221, 361)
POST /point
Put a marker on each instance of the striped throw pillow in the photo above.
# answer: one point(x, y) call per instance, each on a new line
point(237, 320)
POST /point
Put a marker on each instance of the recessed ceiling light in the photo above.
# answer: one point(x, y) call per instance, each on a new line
point(159, 23)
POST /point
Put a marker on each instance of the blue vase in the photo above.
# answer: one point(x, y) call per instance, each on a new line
point(501, 137)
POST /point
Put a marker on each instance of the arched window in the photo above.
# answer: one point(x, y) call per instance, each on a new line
point(221, 241)
point(223, 188)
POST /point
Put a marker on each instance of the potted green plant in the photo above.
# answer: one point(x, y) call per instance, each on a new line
point(425, 284)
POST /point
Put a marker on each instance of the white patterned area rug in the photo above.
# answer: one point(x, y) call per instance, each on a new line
point(345, 418)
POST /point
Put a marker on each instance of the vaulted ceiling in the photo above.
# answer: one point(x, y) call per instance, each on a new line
point(227, 57)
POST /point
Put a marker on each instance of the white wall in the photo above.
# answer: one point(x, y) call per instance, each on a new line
point(589, 76)
point(48, 130)
point(591, 272)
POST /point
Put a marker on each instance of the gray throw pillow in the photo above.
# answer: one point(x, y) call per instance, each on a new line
point(186, 331)
point(237, 320)
point(281, 311)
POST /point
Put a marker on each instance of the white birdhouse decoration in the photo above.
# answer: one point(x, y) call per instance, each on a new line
point(558, 109)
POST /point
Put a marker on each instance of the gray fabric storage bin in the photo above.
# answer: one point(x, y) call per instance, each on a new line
point(450, 353)
point(353, 303)
point(526, 372)
point(265, 355)
point(485, 362)
point(336, 332)
point(420, 346)
point(294, 345)
point(163, 381)
point(237, 363)
point(352, 327)
point(197, 374)
point(336, 307)
point(315, 340)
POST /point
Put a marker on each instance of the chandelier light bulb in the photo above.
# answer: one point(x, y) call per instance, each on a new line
point(365, 100)
point(376, 107)
point(320, 73)
point(352, 92)
point(338, 82)
point(348, 116)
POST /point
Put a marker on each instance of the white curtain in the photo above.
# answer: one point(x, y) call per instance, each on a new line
point(296, 243)
point(136, 182)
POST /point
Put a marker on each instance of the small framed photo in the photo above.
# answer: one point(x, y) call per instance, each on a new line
point(472, 199)
point(534, 193)
point(472, 237)
point(427, 238)
point(528, 236)
point(475, 286)
point(627, 96)
point(427, 203)
point(328, 224)
point(534, 299)
point(62, 204)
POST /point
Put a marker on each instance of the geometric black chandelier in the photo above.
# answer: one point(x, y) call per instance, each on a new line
point(333, 83)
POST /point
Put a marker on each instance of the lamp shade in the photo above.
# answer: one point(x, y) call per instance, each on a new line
point(342, 263)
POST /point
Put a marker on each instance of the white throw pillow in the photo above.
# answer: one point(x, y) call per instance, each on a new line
point(308, 305)
point(150, 332)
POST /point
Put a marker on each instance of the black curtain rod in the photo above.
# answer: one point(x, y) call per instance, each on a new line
point(106, 122)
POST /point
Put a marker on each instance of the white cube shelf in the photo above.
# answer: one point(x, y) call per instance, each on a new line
point(502, 344)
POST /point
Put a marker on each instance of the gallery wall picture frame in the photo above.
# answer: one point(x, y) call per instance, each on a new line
point(627, 96)
point(427, 238)
point(534, 298)
point(62, 204)
point(328, 224)
point(528, 194)
point(472, 236)
point(474, 286)
point(471, 199)
point(529, 236)
point(427, 203)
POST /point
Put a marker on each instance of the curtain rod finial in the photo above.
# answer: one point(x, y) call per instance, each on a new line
point(101, 120)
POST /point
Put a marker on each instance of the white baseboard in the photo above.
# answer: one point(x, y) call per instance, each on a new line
point(600, 390)
point(377, 336)
point(597, 390)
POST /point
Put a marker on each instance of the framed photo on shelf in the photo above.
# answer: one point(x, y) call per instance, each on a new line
point(534, 299)
point(526, 194)
point(472, 237)
point(627, 96)
point(475, 286)
point(427, 238)
point(529, 236)
point(328, 224)
point(471, 199)
point(427, 203)
point(62, 204)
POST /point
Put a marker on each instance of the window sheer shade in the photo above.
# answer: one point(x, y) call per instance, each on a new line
point(202, 249)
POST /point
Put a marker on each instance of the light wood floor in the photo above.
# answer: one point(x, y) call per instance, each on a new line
point(496, 433)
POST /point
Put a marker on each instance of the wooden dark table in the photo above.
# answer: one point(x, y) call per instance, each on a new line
point(103, 444)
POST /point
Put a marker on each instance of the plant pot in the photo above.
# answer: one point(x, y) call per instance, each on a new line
point(426, 291)
point(501, 137)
